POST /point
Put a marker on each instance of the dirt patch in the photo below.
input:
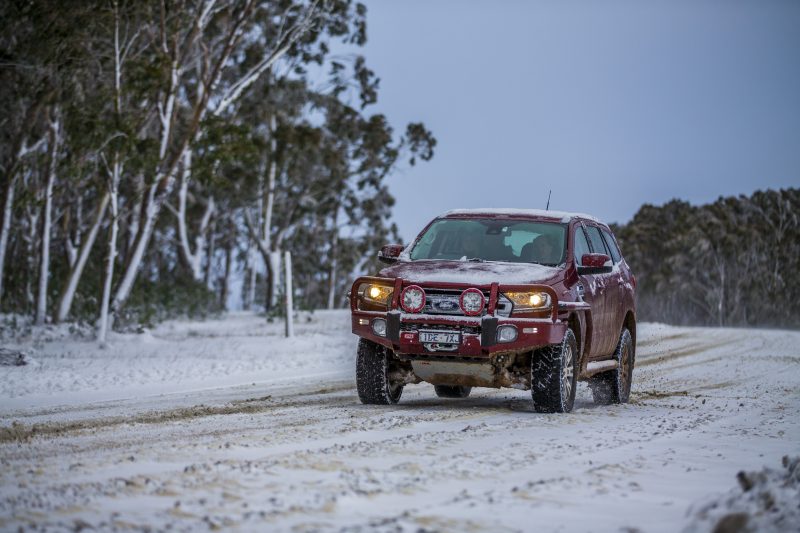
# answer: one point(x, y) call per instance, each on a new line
point(679, 354)
point(18, 431)
point(693, 392)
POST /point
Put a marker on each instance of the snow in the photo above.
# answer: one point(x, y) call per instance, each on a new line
point(767, 500)
point(564, 216)
point(483, 273)
point(225, 423)
point(177, 356)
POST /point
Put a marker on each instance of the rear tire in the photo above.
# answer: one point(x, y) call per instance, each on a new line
point(452, 391)
point(614, 386)
point(554, 376)
point(373, 366)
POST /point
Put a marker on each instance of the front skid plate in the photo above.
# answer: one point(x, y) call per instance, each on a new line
point(456, 373)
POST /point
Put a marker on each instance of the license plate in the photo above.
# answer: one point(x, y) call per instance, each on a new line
point(439, 337)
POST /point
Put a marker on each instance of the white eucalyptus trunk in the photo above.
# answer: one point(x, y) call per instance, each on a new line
point(273, 265)
point(103, 325)
point(193, 258)
point(289, 296)
point(211, 250)
point(44, 266)
point(332, 273)
point(5, 231)
point(275, 278)
point(252, 259)
point(75, 274)
point(30, 253)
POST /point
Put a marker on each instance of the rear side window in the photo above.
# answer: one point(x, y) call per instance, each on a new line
point(598, 245)
point(581, 244)
point(616, 255)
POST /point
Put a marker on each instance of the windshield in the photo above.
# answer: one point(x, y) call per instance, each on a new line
point(511, 241)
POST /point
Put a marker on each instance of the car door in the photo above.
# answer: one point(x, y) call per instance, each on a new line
point(606, 289)
point(588, 289)
point(616, 288)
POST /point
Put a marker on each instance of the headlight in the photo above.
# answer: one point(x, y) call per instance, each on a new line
point(374, 297)
point(529, 301)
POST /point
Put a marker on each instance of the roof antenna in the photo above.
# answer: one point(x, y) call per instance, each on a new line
point(548, 200)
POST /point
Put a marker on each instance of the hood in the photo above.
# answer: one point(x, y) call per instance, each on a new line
point(470, 273)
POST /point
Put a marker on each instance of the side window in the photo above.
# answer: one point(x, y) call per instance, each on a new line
point(598, 246)
point(581, 244)
point(612, 246)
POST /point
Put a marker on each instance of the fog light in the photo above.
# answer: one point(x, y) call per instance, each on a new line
point(379, 327)
point(505, 333)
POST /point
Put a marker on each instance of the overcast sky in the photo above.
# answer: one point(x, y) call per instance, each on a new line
point(609, 104)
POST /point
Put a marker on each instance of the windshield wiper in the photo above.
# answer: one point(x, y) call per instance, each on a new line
point(475, 260)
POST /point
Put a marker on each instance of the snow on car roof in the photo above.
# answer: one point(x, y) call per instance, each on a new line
point(563, 215)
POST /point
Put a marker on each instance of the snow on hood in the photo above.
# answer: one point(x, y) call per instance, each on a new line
point(472, 273)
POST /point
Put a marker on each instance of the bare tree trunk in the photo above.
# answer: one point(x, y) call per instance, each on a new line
point(5, 231)
point(289, 296)
point(192, 258)
point(44, 268)
point(72, 243)
point(251, 288)
point(226, 280)
point(332, 271)
point(272, 265)
point(209, 280)
point(103, 326)
point(77, 270)
point(137, 205)
point(275, 278)
point(30, 253)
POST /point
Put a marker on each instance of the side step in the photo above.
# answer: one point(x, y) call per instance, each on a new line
point(596, 367)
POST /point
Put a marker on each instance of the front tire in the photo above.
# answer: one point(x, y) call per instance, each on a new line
point(452, 391)
point(554, 376)
point(373, 382)
point(614, 386)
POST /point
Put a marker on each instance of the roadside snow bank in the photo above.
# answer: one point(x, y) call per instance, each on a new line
point(765, 501)
point(177, 356)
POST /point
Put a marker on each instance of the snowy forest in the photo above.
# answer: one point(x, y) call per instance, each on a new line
point(154, 150)
point(735, 262)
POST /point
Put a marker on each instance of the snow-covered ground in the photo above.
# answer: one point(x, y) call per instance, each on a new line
point(225, 423)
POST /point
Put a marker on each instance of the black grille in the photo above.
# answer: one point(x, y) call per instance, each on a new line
point(446, 302)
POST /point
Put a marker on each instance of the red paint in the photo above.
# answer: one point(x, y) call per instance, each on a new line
point(597, 317)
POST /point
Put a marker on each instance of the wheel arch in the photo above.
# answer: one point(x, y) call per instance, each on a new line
point(630, 323)
point(578, 324)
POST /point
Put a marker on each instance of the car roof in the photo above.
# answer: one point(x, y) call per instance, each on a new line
point(562, 216)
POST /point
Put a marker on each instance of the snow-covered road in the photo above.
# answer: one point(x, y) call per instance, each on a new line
point(226, 424)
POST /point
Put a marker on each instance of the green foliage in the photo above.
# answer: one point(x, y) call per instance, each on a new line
point(735, 262)
point(173, 296)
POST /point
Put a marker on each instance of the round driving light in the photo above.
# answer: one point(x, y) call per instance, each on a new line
point(536, 300)
point(506, 334)
point(374, 292)
point(412, 299)
point(379, 327)
point(472, 302)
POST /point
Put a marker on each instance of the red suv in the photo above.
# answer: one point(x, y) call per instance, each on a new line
point(527, 299)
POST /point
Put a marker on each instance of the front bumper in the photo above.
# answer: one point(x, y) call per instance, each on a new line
point(477, 334)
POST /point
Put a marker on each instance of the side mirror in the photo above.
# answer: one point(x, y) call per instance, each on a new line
point(389, 253)
point(595, 264)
